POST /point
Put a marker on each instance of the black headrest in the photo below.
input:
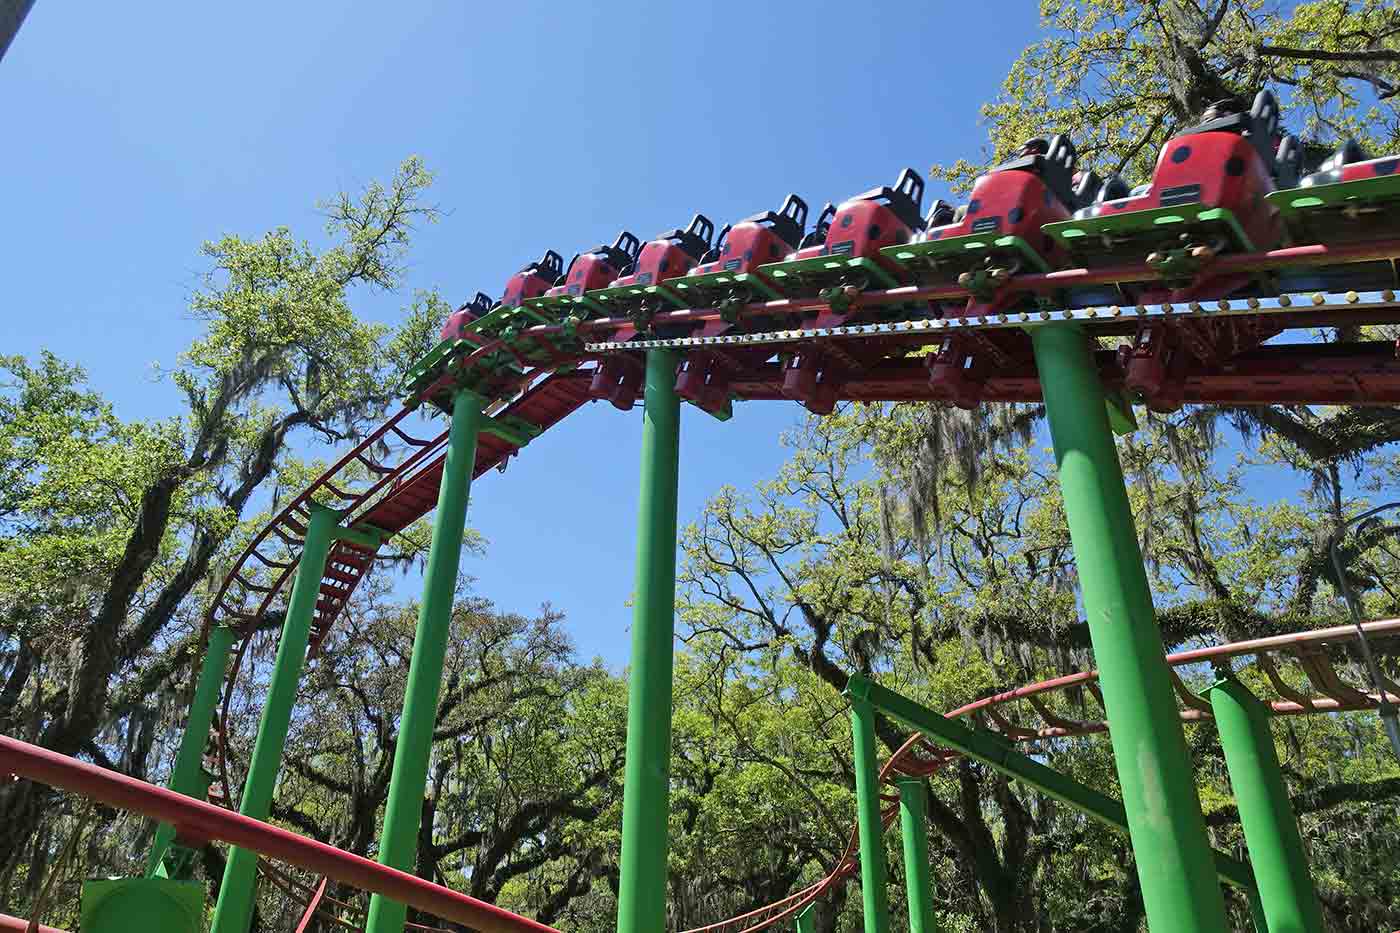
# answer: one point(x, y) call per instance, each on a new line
point(695, 238)
point(939, 214)
point(904, 198)
point(1114, 187)
point(622, 251)
point(1055, 165)
point(479, 305)
point(550, 265)
point(1260, 125)
point(787, 222)
point(822, 227)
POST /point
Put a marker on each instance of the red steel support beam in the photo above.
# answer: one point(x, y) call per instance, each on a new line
point(1366, 373)
point(197, 821)
point(310, 912)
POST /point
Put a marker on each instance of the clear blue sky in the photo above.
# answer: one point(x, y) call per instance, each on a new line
point(135, 132)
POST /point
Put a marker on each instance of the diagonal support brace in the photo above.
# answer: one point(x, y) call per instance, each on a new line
point(995, 751)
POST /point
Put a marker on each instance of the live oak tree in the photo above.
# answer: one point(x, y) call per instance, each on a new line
point(112, 528)
point(923, 545)
point(1120, 76)
point(113, 534)
point(792, 587)
point(515, 770)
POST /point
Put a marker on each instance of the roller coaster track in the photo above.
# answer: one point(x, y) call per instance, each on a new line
point(537, 374)
point(547, 384)
point(1023, 715)
point(1019, 715)
point(385, 497)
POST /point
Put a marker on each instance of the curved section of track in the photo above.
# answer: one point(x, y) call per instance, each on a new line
point(1022, 715)
point(389, 497)
point(390, 479)
point(387, 494)
point(386, 482)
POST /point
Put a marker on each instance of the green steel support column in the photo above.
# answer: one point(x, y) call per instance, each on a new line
point(641, 903)
point(187, 777)
point(875, 899)
point(398, 843)
point(147, 905)
point(993, 748)
point(1286, 891)
point(1256, 911)
point(804, 920)
point(1179, 888)
point(234, 911)
point(913, 825)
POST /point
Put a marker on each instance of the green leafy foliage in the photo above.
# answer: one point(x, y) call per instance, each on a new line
point(919, 545)
point(1121, 76)
point(112, 531)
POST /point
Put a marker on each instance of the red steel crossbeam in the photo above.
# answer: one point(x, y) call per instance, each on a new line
point(197, 821)
point(1313, 373)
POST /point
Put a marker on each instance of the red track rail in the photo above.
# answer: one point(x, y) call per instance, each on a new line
point(403, 491)
point(1332, 374)
point(394, 498)
point(199, 822)
point(390, 496)
point(1000, 712)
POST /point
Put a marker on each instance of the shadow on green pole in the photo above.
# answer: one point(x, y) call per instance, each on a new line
point(188, 777)
point(913, 826)
point(1174, 863)
point(875, 898)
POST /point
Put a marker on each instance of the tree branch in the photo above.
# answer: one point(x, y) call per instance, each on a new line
point(1327, 55)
